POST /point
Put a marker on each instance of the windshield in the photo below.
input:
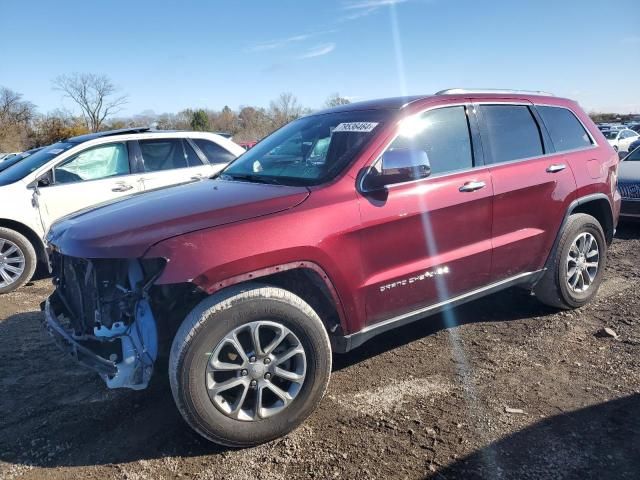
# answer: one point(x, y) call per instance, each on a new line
point(611, 134)
point(18, 167)
point(308, 151)
point(633, 156)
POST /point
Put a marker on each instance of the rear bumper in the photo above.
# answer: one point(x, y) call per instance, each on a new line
point(68, 344)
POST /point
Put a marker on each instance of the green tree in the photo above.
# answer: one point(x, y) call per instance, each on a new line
point(200, 121)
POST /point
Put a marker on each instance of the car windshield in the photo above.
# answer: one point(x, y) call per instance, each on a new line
point(308, 151)
point(611, 134)
point(633, 156)
point(18, 167)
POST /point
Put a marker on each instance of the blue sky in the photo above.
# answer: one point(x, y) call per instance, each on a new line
point(170, 55)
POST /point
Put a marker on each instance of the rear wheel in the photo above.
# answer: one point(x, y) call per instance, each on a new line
point(17, 260)
point(576, 270)
point(249, 365)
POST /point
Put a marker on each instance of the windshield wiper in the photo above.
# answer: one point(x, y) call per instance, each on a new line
point(249, 178)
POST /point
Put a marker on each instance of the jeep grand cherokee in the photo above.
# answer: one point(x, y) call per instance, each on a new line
point(338, 227)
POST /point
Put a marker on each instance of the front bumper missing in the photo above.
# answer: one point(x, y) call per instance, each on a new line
point(123, 356)
point(68, 344)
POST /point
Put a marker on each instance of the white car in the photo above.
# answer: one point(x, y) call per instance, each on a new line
point(621, 139)
point(84, 171)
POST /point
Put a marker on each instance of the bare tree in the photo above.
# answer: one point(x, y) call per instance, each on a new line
point(15, 118)
point(95, 94)
point(335, 99)
point(14, 110)
point(284, 109)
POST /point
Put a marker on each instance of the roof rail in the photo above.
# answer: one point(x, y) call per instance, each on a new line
point(454, 91)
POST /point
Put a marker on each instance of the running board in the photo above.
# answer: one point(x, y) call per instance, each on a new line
point(343, 344)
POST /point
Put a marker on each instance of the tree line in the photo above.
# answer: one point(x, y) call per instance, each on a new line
point(99, 101)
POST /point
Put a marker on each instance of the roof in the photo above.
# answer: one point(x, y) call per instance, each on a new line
point(107, 133)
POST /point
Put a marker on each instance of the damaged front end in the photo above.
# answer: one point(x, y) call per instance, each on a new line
point(100, 313)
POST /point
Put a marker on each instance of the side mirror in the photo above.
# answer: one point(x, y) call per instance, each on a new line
point(398, 166)
point(45, 180)
point(622, 155)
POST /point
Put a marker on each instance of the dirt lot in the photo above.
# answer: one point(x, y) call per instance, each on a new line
point(426, 401)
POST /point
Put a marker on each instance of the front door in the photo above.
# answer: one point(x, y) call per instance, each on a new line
point(93, 176)
point(429, 240)
point(171, 161)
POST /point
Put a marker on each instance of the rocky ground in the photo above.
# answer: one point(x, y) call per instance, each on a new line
point(499, 388)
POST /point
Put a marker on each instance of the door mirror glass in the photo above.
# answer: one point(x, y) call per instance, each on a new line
point(398, 166)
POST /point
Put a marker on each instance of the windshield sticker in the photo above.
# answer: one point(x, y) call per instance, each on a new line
point(364, 127)
point(55, 151)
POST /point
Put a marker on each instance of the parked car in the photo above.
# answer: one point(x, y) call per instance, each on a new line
point(83, 171)
point(629, 186)
point(7, 156)
point(15, 158)
point(621, 139)
point(247, 145)
point(338, 227)
point(633, 145)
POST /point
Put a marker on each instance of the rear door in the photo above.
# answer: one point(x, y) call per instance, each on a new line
point(429, 240)
point(95, 175)
point(531, 187)
point(170, 161)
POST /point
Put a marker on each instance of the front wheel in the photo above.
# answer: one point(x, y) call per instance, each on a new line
point(17, 260)
point(576, 270)
point(249, 365)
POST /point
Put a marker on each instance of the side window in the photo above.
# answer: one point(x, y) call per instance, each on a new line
point(167, 154)
point(103, 161)
point(567, 133)
point(444, 134)
point(512, 132)
point(214, 152)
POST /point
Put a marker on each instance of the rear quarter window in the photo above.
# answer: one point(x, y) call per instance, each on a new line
point(214, 152)
point(566, 131)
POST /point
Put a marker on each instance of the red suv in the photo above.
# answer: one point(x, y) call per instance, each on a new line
point(338, 227)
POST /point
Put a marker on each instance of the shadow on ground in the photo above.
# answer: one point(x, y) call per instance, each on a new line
point(601, 441)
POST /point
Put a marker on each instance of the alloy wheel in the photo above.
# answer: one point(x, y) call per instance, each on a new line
point(256, 371)
point(583, 262)
point(12, 262)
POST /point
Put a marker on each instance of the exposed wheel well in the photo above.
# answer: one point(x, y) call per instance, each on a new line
point(32, 236)
point(309, 285)
point(601, 210)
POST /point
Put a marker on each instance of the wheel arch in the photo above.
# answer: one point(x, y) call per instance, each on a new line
point(306, 279)
point(598, 206)
point(30, 235)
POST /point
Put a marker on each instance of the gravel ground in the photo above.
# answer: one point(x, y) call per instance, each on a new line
point(499, 388)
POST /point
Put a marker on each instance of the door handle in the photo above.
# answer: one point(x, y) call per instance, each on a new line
point(472, 186)
point(122, 187)
point(558, 167)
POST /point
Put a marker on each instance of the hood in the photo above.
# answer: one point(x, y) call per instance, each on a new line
point(629, 171)
point(127, 228)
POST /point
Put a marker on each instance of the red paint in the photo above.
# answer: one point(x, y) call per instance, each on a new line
point(217, 233)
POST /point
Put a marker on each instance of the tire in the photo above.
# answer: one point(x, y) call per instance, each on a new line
point(554, 288)
point(199, 338)
point(19, 247)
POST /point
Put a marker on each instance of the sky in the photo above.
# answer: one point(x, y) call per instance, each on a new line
point(170, 55)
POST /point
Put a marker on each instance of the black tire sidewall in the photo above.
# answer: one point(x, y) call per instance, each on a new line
point(582, 224)
point(205, 417)
point(29, 254)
